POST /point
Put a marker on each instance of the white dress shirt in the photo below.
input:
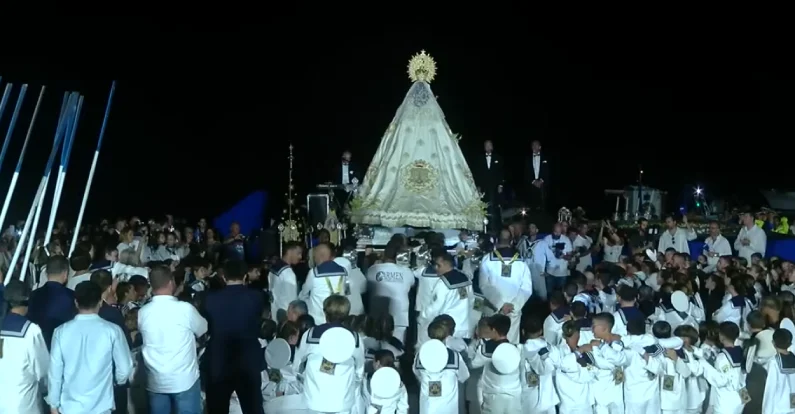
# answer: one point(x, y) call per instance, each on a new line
point(346, 175)
point(76, 280)
point(719, 245)
point(87, 353)
point(758, 244)
point(169, 329)
point(586, 260)
point(676, 240)
point(537, 165)
point(558, 267)
point(488, 161)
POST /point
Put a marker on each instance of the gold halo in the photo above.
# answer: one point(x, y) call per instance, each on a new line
point(422, 68)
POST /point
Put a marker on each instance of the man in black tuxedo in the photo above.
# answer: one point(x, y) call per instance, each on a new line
point(536, 175)
point(346, 173)
point(488, 171)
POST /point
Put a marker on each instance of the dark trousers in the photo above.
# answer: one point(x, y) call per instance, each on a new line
point(120, 399)
point(247, 385)
point(493, 210)
point(536, 197)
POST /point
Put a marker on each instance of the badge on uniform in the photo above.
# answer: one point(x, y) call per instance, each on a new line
point(506, 270)
point(274, 375)
point(532, 379)
point(668, 382)
point(435, 388)
point(746, 398)
point(618, 376)
point(462, 293)
point(478, 306)
point(327, 367)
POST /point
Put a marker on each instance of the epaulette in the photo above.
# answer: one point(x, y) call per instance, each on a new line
point(14, 326)
point(455, 279)
point(330, 269)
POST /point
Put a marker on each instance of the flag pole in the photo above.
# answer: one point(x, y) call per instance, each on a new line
point(39, 193)
point(15, 177)
point(4, 100)
point(13, 123)
point(65, 152)
point(91, 172)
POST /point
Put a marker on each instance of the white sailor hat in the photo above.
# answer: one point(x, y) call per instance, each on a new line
point(278, 353)
point(506, 358)
point(433, 356)
point(385, 383)
point(337, 345)
point(680, 301)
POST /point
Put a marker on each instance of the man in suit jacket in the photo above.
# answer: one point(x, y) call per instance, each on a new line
point(345, 172)
point(235, 359)
point(489, 174)
point(536, 174)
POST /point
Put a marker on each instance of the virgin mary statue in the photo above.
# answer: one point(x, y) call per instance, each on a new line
point(418, 176)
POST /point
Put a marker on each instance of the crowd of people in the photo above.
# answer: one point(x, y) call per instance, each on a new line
point(145, 318)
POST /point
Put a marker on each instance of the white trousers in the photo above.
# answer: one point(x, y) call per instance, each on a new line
point(577, 410)
point(501, 404)
point(539, 285)
point(651, 406)
point(516, 322)
point(612, 408)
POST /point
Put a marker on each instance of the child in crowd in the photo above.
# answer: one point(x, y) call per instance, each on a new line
point(674, 369)
point(456, 344)
point(384, 395)
point(483, 332)
point(499, 387)
point(439, 369)
point(727, 374)
point(695, 391)
point(538, 389)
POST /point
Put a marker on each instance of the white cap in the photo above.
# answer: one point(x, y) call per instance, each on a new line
point(337, 345)
point(433, 356)
point(680, 301)
point(278, 353)
point(506, 358)
point(385, 383)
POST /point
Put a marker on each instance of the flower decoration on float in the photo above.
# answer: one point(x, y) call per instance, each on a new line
point(422, 68)
point(290, 227)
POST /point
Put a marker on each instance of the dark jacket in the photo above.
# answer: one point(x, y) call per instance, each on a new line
point(50, 306)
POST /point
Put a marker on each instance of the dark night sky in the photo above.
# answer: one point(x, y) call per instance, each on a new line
point(201, 119)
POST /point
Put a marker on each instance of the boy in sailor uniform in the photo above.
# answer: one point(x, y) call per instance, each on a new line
point(554, 322)
point(385, 393)
point(538, 389)
point(575, 372)
point(325, 280)
point(282, 392)
point(641, 377)
point(334, 364)
point(580, 317)
point(695, 391)
point(727, 376)
point(610, 361)
point(675, 370)
point(439, 371)
point(282, 283)
point(452, 295)
point(506, 282)
point(607, 293)
point(627, 311)
point(499, 387)
point(426, 279)
point(737, 308)
point(24, 359)
point(779, 395)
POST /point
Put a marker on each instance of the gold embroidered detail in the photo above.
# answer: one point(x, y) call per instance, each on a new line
point(289, 231)
point(419, 177)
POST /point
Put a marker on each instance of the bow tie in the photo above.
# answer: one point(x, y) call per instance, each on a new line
point(536, 154)
point(488, 154)
point(345, 163)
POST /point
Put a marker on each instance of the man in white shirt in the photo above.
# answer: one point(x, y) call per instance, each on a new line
point(80, 262)
point(558, 255)
point(169, 329)
point(326, 279)
point(751, 238)
point(391, 284)
point(675, 237)
point(282, 281)
point(89, 355)
point(581, 243)
point(715, 246)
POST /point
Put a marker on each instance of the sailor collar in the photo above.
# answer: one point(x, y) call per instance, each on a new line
point(430, 271)
point(279, 266)
point(560, 313)
point(455, 279)
point(585, 324)
point(786, 363)
point(502, 253)
point(487, 347)
point(14, 326)
point(452, 361)
point(330, 269)
point(314, 334)
point(630, 313)
point(735, 356)
point(654, 350)
point(737, 301)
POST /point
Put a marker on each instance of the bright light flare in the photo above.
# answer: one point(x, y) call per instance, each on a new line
point(699, 191)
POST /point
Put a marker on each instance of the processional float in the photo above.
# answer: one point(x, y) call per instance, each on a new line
point(65, 133)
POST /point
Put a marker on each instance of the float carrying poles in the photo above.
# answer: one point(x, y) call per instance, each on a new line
point(93, 170)
point(13, 123)
point(15, 177)
point(26, 231)
point(71, 131)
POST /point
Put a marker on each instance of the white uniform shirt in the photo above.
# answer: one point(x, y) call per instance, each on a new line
point(780, 384)
point(23, 366)
point(719, 245)
point(538, 388)
point(452, 295)
point(492, 382)
point(390, 285)
point(283, 286)
point(358, 285)
point(579, 244)
point(169, 329)
point(426, 279)
point(573, 380)
point(678, 240)
point(455, 372)
point(326, 279)
point(505, 279)
point(758, 244)
point(726, 377)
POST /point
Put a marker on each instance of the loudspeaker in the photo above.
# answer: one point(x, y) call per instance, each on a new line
point(317, 206)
